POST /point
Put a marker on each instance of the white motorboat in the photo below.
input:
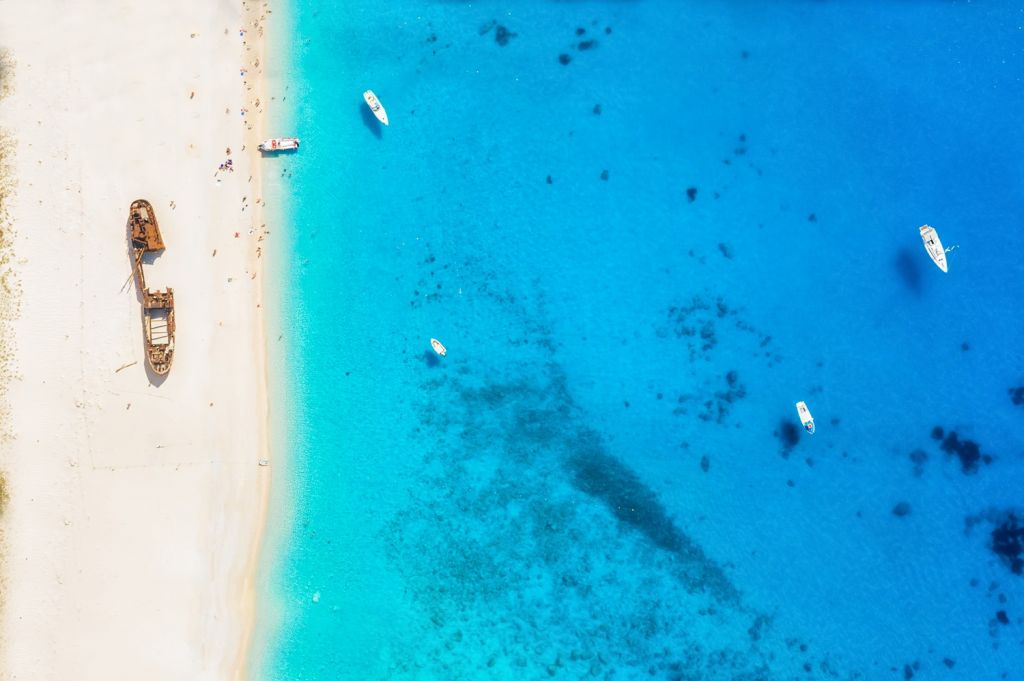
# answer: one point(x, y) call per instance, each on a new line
point(375, 106)
point(438, 348)
point(934, 247)
point(805, 417)
point(279, 144)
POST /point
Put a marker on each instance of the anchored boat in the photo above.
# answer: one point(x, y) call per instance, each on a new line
point(438, 348)
point(934, 247)
point(375, 106)
point(805, 417)
point(157, 306)
point(279, 144)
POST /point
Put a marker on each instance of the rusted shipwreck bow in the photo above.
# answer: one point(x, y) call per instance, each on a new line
point(157, 306)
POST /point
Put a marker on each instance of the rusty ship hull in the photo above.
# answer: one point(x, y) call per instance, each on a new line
point(157, 306)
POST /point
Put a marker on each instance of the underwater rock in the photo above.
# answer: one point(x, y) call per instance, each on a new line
point(967, 451)
point(726, 251)
point(1008, 543)
point(484, 28)
point(691, 194)
point(580, 30)
point(950, 663)
point(604, 175)
point(502, 35)
point(607, 30)
point(812, 218)
point(1002, 617)
point(1017, 395)
point(705, 463)
point(744, 54)
point(549, 179)
point(964, 347)
point(938, 433)
point(564, 59)
point(586, 45)
point(597, 109)
point(901, 509)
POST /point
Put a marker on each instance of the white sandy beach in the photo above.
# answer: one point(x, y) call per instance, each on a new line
point(135, 506)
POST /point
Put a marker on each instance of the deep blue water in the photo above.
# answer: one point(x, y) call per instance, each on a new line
point(639, 260)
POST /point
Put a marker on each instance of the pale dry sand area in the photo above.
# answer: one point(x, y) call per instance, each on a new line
point(135, 505)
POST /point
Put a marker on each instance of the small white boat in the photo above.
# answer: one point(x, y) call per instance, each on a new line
point(279, 144)
point(934, 247)
point(375, 106)
point(438, 348)
point(805, 417)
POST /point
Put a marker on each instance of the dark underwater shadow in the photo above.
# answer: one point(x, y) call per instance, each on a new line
point(370, 121)
point(909, 270)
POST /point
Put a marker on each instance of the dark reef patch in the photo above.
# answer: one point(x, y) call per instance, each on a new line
point(725, 250)
point(1008, 543)
point(596, 473)
point(604, 175)
point(718, 409)
point(597, 109)
point(502, 35)
point(1017, 396)
point(584, 45)
point(919, 458)
point(691, 194)
point(564, 59)
point(967, 451)
point(697, 325)
point(901, 509)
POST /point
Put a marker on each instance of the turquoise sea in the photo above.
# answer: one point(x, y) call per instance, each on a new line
point(644, 229)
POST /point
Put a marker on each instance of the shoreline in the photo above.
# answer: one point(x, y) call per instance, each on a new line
point(255, 18)
point(137, 509)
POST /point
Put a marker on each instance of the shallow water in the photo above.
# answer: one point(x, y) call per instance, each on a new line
point(639, 260)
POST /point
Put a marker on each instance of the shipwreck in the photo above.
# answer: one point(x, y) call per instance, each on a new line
point(157, 306)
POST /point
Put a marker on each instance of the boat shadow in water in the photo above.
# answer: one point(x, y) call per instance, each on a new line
point(271, 153)
point(909, 269)
point(431, 359)
point(370, 121)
